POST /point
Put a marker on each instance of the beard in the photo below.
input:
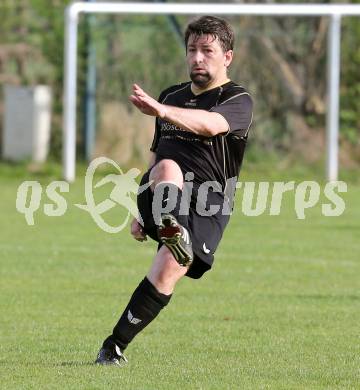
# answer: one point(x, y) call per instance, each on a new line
point(201, 80)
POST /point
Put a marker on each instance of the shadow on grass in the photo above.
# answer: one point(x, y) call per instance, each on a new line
point(5, 363)
point(74, 364)
point(329, 297)
point(322, 297)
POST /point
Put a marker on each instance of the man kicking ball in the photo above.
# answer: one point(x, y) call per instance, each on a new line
point(200, 136)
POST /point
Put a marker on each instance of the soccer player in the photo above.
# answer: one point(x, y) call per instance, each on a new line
point(200, 136)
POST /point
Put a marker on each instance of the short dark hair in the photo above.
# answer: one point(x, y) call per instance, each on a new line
point(217, 27)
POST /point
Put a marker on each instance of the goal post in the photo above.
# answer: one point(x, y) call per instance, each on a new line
point(334, 11)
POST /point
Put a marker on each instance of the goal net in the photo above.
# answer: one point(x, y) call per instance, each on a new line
point(282, 61)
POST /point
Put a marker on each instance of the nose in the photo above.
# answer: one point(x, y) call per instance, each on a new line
point(198, 57)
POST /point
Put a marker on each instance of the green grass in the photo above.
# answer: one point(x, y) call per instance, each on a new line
point(279, 310)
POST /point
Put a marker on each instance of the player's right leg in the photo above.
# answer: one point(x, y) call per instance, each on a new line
point(165, 271)
point(150, 297)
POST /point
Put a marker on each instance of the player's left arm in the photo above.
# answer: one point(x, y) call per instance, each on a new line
point(197, 121)
point(152, 159)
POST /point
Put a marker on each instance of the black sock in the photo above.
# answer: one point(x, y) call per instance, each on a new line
point(168, 198)
point(144, 305)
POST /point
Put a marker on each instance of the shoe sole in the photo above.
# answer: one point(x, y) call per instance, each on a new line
point(115, 362)
point(170, 235)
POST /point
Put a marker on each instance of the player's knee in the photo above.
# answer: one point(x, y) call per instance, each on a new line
point(167, 170)
point(167, 164)
point(169, 272)
point(164, 281)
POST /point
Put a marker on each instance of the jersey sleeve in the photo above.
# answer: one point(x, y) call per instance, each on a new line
point(237, 110)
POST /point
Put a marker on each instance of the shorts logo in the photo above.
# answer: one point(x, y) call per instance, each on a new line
point(206, 250)
point(118, 350)
point(132, 319)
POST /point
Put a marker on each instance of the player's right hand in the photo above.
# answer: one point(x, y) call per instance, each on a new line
point(137, 231)
point(146, 104)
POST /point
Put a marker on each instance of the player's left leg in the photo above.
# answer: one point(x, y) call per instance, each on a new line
point(149, 298)
point(170, 209)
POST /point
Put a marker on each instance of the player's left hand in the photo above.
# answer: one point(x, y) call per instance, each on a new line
point(137, 231)
point(145, 103)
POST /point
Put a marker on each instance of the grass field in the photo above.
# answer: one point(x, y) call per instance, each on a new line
point(280, 309)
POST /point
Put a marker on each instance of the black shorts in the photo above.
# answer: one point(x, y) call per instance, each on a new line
point(205, 231)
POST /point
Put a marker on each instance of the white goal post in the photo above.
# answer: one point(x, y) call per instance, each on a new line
point(333, 11)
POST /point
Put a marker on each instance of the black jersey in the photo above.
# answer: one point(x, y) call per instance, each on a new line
point(215, 158)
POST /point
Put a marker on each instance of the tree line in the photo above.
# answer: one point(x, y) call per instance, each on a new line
point(281, 61)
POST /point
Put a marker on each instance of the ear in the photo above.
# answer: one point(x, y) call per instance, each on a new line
point(228, 56)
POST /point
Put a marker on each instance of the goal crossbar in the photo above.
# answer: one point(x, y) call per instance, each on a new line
point(333, 11)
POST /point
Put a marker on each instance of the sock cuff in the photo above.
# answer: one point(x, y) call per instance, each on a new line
point(147, 287)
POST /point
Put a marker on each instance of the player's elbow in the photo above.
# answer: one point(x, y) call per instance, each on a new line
point(208, 131)
point(212, 131)
point(216, 125)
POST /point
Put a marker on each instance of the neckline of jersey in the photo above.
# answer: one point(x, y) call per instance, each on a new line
point(209, 90)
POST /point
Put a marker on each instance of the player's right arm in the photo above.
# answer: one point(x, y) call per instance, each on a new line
point(197, 121)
